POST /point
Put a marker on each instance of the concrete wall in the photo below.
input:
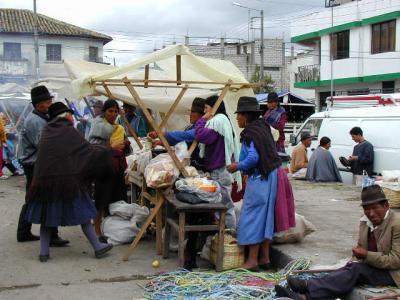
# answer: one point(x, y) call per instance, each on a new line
point(77, 48)
point(247, 55)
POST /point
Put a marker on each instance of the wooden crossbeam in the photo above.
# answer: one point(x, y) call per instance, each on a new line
point(173, 107)
point(160, 134)
point(213, 111)
point(130, 128)
point(122, 81)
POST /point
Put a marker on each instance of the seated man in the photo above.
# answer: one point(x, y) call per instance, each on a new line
point(299, 154)
point(322, 166)
point(188, 134)
point(377, 251)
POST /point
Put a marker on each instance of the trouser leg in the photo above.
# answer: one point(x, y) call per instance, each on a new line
point(343, 280)
point(24, 227)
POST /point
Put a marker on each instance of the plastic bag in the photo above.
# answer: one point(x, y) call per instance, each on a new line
point(192, 186)
point(181, 151)
point(296, 234)
point(161, 170)
point(143, 160)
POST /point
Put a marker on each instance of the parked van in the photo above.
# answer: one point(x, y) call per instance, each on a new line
point(380, 125)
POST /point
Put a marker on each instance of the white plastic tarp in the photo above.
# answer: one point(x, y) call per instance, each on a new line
point(194, 68)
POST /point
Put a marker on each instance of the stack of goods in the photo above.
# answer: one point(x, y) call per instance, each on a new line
point(234, 284)
point(161, 171)
point(390, 183)
point(198, 190)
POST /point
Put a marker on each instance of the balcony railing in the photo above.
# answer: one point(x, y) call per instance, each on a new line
point(308, 73)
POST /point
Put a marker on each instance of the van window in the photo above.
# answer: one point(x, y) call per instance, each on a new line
point(312, 126)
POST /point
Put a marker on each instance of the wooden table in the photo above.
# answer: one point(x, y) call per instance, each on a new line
point(181, 227)
point(158, 200)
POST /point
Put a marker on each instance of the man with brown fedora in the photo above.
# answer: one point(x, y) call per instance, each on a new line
point(28, 148)
point(376, 256)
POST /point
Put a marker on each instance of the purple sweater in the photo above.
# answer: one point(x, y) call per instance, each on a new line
point(214, 156)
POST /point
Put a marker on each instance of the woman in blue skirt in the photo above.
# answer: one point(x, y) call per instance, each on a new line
point(260, 161)
point(59, 194)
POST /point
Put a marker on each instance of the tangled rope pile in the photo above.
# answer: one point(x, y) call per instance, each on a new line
point(232, 284)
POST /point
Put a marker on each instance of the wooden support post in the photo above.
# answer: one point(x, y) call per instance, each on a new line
point(214, 109)
point(181, 238)
point(173, 107)
point(160, 134)
point(160, 198)
point(178, 70)
point(146, 76)
point(132, 131)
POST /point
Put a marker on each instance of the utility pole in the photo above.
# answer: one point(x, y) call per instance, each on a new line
point(36, 40)
point(262, 47)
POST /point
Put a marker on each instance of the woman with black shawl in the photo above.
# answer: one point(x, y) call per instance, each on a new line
point(65, 167)
point(260, 161)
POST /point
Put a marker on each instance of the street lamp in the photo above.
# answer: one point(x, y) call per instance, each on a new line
point(262, 37)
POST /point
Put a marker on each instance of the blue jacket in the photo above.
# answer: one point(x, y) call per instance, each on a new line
point(187, 135)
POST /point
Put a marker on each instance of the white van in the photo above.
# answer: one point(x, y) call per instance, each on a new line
point(380, 126)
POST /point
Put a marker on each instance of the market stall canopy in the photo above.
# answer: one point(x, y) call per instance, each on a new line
point(286, 98)
point(203, 76)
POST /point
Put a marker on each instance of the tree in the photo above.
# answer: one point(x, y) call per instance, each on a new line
point(267, 86)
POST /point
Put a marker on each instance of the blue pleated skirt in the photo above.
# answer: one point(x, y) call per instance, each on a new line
point(61, 213)
point(257, 216)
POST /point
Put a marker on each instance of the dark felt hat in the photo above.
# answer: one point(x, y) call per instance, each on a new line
point(372, 194)
point(198, 105)
point(247, 104)
point(305, 135)
point(272, 97)
point(40, 93)
point(58, 108)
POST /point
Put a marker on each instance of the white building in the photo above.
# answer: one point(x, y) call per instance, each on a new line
point(57, 40)
point(364, 42)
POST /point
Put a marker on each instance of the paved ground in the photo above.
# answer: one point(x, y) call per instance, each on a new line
point(73, 273)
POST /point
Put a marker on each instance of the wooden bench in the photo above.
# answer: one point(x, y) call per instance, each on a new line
point(181, 227)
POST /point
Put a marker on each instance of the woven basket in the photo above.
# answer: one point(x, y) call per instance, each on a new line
point(393, 197)
point(233, 253)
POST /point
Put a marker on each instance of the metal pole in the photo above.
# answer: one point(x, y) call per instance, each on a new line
point(36, 40)
point(262, 47)
point(332, 5)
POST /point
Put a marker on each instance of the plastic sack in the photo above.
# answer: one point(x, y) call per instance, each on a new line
point(189, 186)
point(121, 209)
point(391, 176)
point(181, 151)
point(296, 234)
point(161, 170)
point(143, 159)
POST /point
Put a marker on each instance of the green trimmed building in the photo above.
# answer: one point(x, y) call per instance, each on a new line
point(363, 46)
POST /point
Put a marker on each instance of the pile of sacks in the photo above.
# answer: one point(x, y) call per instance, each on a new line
point(124, 222)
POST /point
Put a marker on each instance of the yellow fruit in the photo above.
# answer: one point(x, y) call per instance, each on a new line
point(155, 264)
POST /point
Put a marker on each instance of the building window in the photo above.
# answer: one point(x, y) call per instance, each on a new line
point(387, 87)
point(340, 45)
point(383, 37)
point(238, 50)
point(93, 54)
point(271, 68)
point(12, 51)
point(53, 52)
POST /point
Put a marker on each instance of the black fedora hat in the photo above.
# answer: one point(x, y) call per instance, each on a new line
point(372, 194)
point(58, 108)
point(272, 97)
point(40, 93)
point(247, 104)
point(198, 105)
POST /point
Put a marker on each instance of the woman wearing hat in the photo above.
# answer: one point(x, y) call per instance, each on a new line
point(276, 117)
point(59, 192)
point(112, 188)
point(260, 161)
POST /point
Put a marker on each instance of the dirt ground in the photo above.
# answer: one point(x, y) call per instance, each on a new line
point(74, 273)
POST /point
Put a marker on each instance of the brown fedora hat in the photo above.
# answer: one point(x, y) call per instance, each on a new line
point(372, 194)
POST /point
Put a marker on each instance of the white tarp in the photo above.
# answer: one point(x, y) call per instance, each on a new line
point(194, 68)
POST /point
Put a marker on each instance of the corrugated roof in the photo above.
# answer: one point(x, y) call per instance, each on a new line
point(22, 21)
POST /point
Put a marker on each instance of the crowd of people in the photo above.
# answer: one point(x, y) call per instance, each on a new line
point(72, 177)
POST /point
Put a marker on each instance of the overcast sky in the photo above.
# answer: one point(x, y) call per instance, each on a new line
point(139, 26)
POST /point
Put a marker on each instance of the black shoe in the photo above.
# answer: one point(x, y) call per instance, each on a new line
point(287, 293)
point(297, 285)
point(103, 239)
point(266, 267)
point(44, 258)
point(190, 265)
point(100, 253)
point(58, 242)
point(27, 238)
